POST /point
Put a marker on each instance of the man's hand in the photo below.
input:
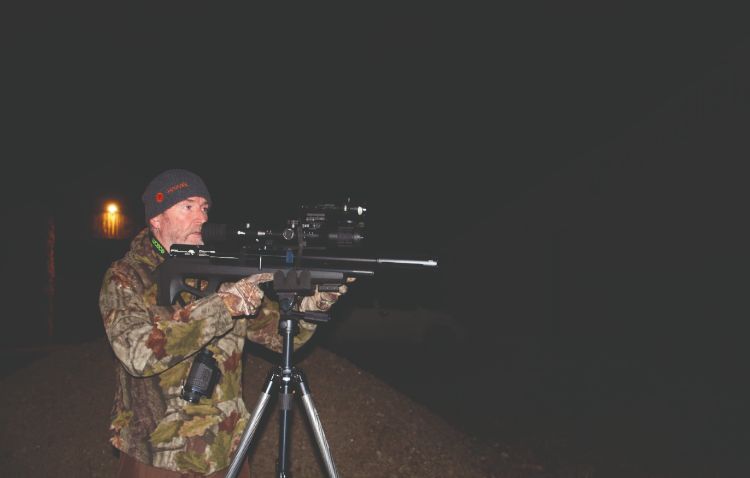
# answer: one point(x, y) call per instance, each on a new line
point(244, 296)
point(322, 301)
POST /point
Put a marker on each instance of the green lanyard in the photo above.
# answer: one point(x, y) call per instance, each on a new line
point(157, 246)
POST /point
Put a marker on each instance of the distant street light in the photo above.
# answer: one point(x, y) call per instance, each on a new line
point(111, 221)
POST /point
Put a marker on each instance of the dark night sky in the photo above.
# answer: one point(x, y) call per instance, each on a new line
point(379, 106)
point(448, 125)
point(440, 121)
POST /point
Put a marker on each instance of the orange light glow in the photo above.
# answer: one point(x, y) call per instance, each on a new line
point(111, 221)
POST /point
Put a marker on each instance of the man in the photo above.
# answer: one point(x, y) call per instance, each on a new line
point(157, 432)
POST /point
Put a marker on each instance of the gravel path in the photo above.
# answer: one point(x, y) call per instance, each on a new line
point(55, 412)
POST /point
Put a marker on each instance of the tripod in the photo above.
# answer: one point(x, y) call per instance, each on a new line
point(284, 377)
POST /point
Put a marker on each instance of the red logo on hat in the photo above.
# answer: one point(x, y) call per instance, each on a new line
point(159, 197)
point(177, 187)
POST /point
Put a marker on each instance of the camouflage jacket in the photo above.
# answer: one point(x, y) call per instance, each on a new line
point(155, 346)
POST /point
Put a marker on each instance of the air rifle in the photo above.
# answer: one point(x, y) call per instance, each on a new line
point(332, 232)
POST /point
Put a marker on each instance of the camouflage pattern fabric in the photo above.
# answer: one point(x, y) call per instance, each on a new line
point(155, 345)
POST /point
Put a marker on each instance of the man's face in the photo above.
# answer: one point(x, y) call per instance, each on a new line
point(181, 223)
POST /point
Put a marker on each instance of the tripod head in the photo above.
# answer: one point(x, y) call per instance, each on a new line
point(289, 287)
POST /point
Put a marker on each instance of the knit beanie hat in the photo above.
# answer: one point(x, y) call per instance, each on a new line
point(171, 187)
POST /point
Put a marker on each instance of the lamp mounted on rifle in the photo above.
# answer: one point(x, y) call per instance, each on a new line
point(322, 226)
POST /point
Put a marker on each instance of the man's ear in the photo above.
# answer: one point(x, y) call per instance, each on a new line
point(155, 222)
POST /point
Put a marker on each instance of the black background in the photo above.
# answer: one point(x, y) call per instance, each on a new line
point(577, 170)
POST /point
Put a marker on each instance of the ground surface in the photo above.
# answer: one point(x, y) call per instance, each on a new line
point(55, 411)
point(434, 418)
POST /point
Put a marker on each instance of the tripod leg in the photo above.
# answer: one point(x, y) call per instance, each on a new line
point(288, 329)
point(285, 417)
point(312, 415)
point(252, 426)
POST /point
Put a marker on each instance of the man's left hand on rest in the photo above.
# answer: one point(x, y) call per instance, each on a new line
point(322, 301)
